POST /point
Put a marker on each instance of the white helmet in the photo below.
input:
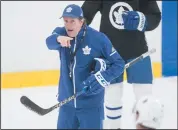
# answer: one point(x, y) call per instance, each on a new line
point(150, 112)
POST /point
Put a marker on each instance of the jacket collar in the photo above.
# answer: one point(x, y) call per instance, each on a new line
point(81, 32)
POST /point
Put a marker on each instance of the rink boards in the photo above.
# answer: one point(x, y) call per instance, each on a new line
point(45, 78)
point(26, 61)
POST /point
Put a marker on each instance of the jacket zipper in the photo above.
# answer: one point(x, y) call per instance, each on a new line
point(74, 73)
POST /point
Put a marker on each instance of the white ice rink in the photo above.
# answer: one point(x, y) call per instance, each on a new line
point(16, 116)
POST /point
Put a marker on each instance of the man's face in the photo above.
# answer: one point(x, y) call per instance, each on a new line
point(72, 25)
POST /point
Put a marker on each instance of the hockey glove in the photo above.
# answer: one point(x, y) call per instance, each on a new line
point(96, 83)
point(134, 20)
point(99, 64)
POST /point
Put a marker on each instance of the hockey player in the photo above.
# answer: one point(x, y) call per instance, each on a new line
point(148, 112)
point(79, 46)
point(125, 23)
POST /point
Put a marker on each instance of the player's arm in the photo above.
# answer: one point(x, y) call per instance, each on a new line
point(152, 12)
point(146, 19)
point(90, 8)
point(51, 41)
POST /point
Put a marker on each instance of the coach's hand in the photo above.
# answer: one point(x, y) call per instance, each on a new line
point(64, 41)
point(94, 84)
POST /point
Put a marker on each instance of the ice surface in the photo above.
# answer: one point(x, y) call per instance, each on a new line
point(15, 116)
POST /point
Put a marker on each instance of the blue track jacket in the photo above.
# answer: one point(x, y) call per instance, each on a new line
point(94, 45)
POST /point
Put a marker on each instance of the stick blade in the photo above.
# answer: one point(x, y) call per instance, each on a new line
point(32, 106)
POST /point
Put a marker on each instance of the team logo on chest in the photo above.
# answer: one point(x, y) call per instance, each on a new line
point(115, 14)
point(86, 50)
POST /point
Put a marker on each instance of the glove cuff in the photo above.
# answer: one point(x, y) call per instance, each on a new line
point(101, 79)
point(142, 21)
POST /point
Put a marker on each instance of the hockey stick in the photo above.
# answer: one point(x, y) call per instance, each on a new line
point(41, 111)
point(140, 58)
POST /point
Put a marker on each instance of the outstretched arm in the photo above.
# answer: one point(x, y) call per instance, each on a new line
point(51, 41)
